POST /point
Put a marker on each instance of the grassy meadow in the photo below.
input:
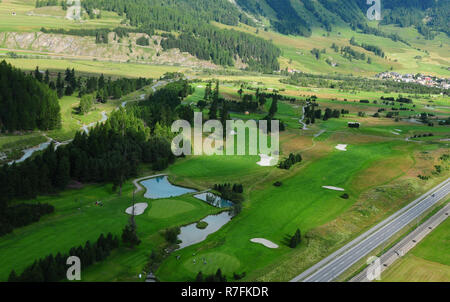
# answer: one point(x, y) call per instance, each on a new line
point(429, 261)
point(27, 18)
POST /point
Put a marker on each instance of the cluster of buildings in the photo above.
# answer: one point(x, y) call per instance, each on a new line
point(425, 80)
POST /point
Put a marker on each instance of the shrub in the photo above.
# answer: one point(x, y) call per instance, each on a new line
point(142, 41)
point(202, 225)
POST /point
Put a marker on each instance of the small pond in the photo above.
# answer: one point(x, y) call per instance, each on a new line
point(190, 234)
point(160, 187)
point(217, 202)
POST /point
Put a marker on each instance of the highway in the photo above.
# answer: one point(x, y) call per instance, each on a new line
point(406, 244)
point(334, 265)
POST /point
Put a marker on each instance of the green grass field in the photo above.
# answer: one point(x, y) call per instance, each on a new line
point(27, 18)
point(131, 70)
point(72, 224)
point(428, 261)
point(296, 51)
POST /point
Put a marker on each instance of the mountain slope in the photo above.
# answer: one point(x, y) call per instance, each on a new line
point(300, 16)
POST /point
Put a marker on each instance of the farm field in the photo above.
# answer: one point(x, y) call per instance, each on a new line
point(131, 70)
point(428, 261)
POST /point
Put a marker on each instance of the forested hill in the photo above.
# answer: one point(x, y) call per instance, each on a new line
point(299, 17)
point(25, 103)
point(192, 19)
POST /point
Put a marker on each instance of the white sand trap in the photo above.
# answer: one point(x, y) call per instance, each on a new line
point(398, 130)
point(341, 147)
point(265, 242)
point(267, 161)
point(395, 133)
point(333, 188)
point(199, 86)
point(139, 209)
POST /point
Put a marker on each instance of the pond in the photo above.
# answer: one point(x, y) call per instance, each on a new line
point(190, 234)
point(217, 202)
point(160, 187)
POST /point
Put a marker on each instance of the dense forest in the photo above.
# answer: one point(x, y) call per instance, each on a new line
point(25, 103)
point(223, 47)
point(198, 37)
point(110, 152)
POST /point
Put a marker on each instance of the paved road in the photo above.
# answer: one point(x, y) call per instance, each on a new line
point(407, 243)
point(334, 265)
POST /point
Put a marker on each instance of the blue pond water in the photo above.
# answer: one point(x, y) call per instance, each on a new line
point(218, 201)
point(190, 234)
point(160, 187)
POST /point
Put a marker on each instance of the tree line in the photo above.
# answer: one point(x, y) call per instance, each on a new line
point(290, 161)
point(372, 48)
point(19, 215)
point(54, 268)
point(350, 83)
point(25, 103)
point(102, 88)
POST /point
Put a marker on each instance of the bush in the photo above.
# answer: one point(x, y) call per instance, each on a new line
point(171, 234)
point(345, 196)
point(143, 41)
point(239, 276)
point(278, 184)
point(296, 239)
point(202, 225)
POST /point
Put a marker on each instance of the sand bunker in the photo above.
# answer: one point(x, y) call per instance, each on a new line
point(139, 209)
point(393, 132)
point(333, 188)
point(341, 147)
point(267, 161)
point(265, 242)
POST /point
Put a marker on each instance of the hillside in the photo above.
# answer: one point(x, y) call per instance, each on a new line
point(300, 17)
point(314, 36)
